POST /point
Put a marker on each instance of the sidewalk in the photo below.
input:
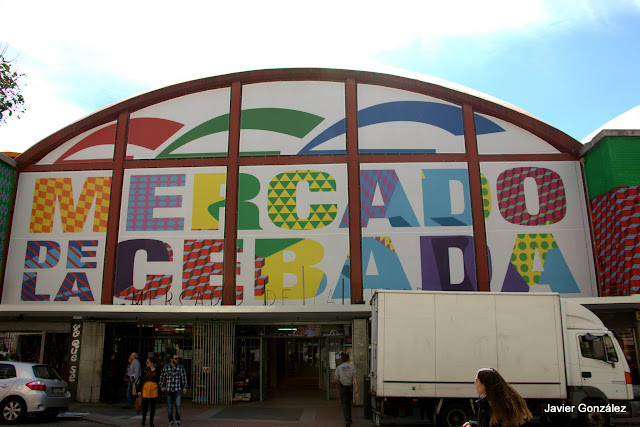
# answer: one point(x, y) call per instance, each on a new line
point(299, 411)
point(273, 413)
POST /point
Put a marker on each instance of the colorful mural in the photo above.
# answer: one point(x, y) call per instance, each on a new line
point(93, 145)
point(7, 185)
point(56, 252)
point(540, 228)
point(293, 218)
point(616, 214)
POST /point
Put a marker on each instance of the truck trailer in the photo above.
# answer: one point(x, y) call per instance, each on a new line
point(426, 348)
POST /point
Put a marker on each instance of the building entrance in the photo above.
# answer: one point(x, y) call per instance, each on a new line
point(148, 340)
point(292, 360)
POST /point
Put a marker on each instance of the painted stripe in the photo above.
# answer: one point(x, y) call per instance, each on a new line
point(443, 116)
point(281, 120)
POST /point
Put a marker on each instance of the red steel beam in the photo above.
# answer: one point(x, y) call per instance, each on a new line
point(113, 224)
point(353, 180)
point(231, 205)
point(477, 211)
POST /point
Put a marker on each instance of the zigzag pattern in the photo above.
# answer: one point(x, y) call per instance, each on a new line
point(616, 219)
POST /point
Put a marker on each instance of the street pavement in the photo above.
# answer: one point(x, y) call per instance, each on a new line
point(294, 410)
point(302, 410)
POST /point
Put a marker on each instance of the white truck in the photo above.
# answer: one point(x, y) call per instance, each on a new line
point(426, 348)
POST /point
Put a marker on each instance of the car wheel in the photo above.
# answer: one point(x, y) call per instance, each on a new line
point(454, 415)
point(13, 410)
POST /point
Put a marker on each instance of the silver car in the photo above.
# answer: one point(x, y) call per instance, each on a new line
point(30, 388)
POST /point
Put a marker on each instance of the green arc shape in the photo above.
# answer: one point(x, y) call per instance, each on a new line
point(281, 120)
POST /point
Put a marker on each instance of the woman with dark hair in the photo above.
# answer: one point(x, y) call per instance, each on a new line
point(149, 390)
point(499, 404)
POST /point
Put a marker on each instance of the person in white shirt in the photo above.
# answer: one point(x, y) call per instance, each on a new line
point(346, 374)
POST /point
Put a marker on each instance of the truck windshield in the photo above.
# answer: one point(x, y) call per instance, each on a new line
point(598, 347)
point(612, 356)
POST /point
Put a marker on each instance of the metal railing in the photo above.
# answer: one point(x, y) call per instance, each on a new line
point(213, 362)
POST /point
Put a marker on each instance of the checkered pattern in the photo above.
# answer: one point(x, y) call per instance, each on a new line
point(198, 269)
point(616, 219)
point(47, 190)
point(551, 194)
point(260, 280)
point(155, 286)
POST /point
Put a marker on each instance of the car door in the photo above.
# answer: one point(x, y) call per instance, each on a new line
point(601, 367)
point(7, 378)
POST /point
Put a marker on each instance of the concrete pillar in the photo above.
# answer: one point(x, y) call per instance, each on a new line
point(90, 366)
point(360, 341)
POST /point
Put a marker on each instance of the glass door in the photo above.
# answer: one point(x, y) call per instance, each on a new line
point(330, 350)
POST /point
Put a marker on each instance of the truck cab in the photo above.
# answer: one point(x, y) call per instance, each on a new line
point(597, 371)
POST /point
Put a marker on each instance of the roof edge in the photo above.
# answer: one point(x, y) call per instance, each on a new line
point(504, 111)
point(606, 133)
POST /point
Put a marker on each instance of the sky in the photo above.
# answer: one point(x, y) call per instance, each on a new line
point(573, 64)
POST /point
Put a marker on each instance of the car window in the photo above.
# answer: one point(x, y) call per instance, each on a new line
point(7, 371)
point(45, 372)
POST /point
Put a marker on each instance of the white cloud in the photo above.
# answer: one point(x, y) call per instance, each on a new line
point(157, 43)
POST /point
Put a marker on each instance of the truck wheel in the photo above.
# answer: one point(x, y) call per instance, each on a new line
point(593, 419)
point(454, 415)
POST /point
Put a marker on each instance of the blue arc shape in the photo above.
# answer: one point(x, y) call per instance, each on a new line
point(443, 116)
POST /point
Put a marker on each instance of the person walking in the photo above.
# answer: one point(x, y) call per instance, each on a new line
point(499, 403)
point(346, 374)
point(173, 381)
point(133, 375)
point(112, 379)
point(149, 392)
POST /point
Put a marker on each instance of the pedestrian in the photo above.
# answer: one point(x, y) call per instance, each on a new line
point(346, 374)
point(173, 381)
point(149, 392)
point(112, 378)
point(133, 375)
point(499, 403)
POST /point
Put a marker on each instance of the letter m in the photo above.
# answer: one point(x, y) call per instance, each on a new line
point(49, 190)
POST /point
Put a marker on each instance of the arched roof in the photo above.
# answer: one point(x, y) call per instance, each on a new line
point(450, 92)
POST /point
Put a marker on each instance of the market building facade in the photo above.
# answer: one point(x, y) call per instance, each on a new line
point(244, 221)
point(612, 177)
